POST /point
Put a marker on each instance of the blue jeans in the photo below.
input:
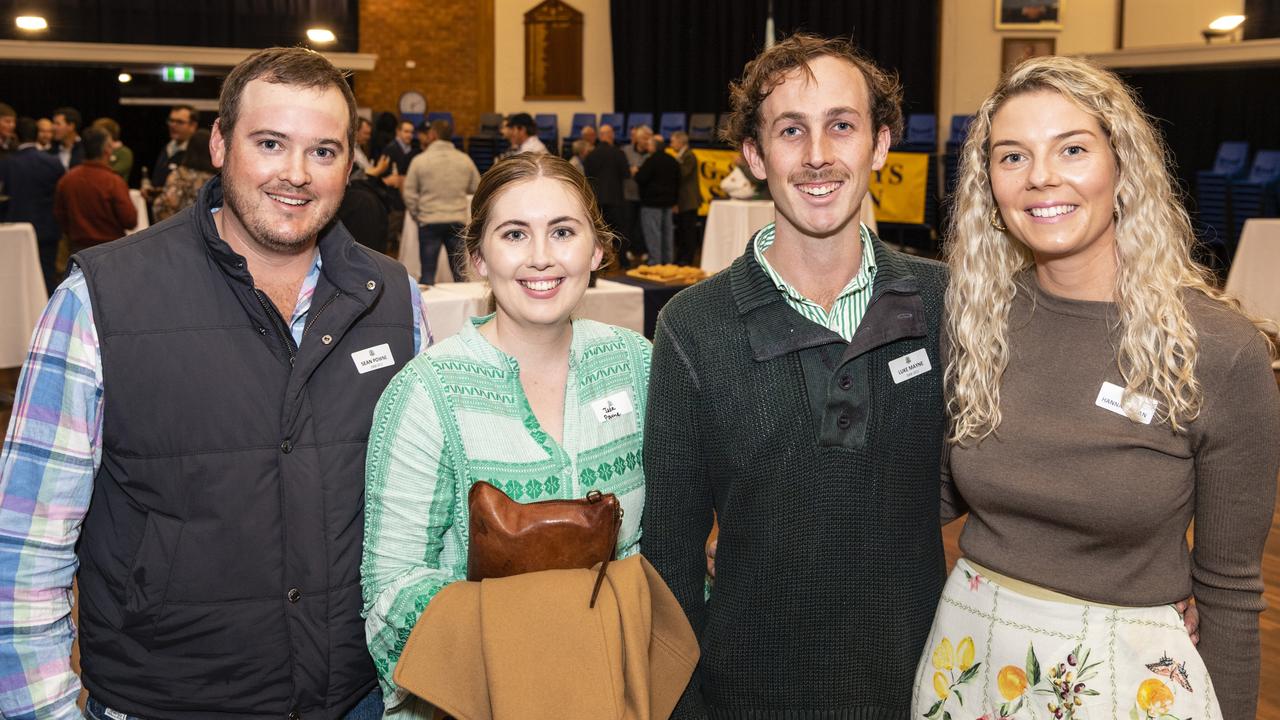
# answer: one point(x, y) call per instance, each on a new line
point(369, 708)
point(430, 237)
point(659, 234)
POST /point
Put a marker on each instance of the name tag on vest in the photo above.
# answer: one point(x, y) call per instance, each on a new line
point(1111, 397)
point(613, 406)
point(909, 366)
point(373, 358)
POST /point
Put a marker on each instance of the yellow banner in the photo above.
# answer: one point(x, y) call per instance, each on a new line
point(713, 166)
point(898, 189)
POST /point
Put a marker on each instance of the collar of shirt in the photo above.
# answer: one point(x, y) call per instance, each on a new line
point(404, 147)
point(859, 283)
point(174, 147)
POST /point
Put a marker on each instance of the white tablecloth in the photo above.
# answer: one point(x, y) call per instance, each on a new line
point(449, 305)
point(731, 223)
point(1255, 271)
point(141, 206)
point(409, 256)
point(22, 293)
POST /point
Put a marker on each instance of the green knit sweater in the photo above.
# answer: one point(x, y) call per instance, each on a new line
point(823, 472)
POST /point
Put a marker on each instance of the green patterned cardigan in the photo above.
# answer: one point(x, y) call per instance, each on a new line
point(457, 414)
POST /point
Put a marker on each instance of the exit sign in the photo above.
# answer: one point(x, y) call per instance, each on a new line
point(178, 73)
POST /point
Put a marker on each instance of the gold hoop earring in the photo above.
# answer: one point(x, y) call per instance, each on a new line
point(994, 219)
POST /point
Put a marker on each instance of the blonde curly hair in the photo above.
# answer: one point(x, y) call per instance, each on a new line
point(1157, 348)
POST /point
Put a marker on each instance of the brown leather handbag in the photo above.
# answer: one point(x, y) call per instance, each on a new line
point(511, 538)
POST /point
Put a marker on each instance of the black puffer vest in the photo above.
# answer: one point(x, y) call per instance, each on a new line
point(220, 557)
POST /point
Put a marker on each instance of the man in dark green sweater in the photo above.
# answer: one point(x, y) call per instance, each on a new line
point(797, 397)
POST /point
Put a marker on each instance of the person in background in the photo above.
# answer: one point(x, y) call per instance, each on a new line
point(508, 400)
point(1104, 397)
point(659, 183)
point(688, 240)
point(29, 177)
point(580, 148)
point(121, 160)
point(522, 133)
point(44, 134)
point(607, 169)
point(183, 184)
point(183, 122)
point(91, 202)
point(435, 195)
point(8, 136)
point(66, 137)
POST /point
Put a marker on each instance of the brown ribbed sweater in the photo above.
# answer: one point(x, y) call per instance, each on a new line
point(1081, 500)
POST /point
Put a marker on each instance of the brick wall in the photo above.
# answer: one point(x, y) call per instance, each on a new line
point(450, 43)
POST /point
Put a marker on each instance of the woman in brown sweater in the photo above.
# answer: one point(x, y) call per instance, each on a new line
point(1103, 395)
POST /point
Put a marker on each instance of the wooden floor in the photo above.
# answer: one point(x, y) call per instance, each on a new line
point(1269, 695)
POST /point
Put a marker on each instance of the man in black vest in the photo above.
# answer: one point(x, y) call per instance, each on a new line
point(191, 430)
point(777, 405)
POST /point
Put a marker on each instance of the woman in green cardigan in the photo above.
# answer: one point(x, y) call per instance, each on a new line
point(529, 399)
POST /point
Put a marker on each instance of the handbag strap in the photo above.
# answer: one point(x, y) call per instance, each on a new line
point(613, 547)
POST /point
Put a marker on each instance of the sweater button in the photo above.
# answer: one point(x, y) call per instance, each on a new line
point(294, 595)
point(262, 330)
point(295, 715)
point(286, 447)
point(844, 421)
point(371, 285)
point(326, 339)
point(846, 382)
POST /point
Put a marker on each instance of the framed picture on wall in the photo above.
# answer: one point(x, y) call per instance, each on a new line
point(1029, 14)
point(1015, 50)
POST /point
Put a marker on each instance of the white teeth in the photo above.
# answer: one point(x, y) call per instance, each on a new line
point(1053, 211)
point(820, 190)
point(287, 201)
point(540, 285)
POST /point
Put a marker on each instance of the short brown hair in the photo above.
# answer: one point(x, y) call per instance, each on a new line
point(443, 129)
point(529, 166)
point(296, 67)
point(111, 126)
point(766, 72)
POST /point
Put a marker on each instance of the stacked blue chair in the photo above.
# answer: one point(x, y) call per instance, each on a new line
point(702, 129)
point(580, 120)
point(951, 160)
point(442, 115)
point(618, 122)
point(670, 123)
point(548, 130)
point(1256, 195)
point(636, 119)
point(1213, 197)
point(921, 136)
point(486, 145)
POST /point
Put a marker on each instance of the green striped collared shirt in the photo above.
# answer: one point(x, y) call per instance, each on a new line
point(850, 305)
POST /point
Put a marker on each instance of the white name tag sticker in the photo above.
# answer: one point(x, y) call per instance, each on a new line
point(114, 714)
point(909, 366)
point(1111, 397)
point(612, 407)
point(374, 358)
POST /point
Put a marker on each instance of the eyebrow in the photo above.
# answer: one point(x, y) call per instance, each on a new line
point(796, 116)
point(1056, 138)
point(523, 224)
point(282, 136)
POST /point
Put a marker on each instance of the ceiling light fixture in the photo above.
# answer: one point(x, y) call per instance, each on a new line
point(320, 35)
point(1226, 26)
point(31, 22)
point(124, 77)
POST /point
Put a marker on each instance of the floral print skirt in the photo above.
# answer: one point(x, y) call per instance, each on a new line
point(994, 653)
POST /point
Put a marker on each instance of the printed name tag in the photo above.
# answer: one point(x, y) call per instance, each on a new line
point(115, 714)
point(613, 406)
point(373, 358)
point(909, 366)
point(1111, 397)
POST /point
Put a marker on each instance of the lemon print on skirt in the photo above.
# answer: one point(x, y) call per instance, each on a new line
point(953, 668)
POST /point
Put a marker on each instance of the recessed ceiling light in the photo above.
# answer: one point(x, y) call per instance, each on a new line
point(31, 22)
point(320, 35)
point(124, 77)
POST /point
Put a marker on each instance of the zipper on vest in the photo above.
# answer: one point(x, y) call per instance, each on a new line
point(311, 316)
point(275, 319)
